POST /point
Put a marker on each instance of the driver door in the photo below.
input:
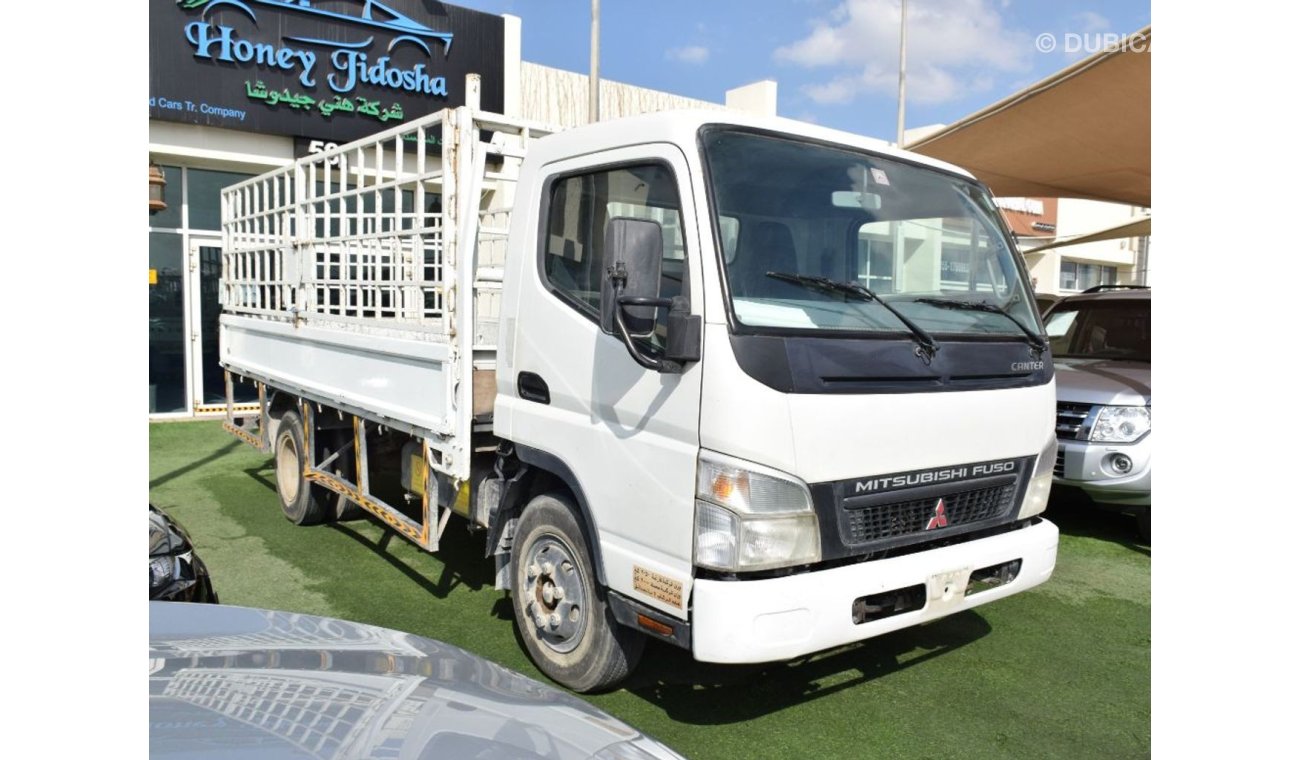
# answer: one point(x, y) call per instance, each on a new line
point(629, 435)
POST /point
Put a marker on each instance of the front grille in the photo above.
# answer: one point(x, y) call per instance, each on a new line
point(1070, 419)
point(903, 518)
point(1059, 469)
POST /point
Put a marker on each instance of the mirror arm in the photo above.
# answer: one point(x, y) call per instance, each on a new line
point(645, 301)
point(658, 365)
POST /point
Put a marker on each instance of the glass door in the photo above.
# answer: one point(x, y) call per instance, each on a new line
point(209, 380)
point(168, 346)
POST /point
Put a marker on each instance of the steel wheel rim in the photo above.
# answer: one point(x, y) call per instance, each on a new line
point(554, 593)
point(287, 469)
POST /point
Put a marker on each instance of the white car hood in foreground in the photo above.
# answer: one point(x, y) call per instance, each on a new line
point(236, 682)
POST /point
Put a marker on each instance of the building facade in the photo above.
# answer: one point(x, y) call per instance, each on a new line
point(1074, 268)
point(238, 88)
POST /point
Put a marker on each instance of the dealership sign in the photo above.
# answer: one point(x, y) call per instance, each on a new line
point(330, 69)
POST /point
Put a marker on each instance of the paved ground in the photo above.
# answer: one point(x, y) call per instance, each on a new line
point(1063, 670)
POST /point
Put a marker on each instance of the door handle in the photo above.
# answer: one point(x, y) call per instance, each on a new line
point(533, 388)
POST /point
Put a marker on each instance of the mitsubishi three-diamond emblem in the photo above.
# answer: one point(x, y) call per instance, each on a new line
point(940, 519)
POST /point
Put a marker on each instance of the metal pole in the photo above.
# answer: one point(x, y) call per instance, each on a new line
point(902, 67)
point(896, 229)
point(593, 97)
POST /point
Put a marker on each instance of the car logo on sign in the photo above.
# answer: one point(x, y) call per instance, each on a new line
point(940, 519)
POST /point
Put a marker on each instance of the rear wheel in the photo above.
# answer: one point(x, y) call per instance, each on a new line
point(297, 494)
point(338, 506)
point(568, 630)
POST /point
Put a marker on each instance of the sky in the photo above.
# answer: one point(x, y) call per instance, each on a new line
point(835, 61)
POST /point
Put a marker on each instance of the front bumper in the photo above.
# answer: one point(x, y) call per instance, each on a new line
point(1083, 465)
point(781, 618)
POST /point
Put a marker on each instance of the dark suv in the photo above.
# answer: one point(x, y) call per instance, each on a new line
point(176, 574)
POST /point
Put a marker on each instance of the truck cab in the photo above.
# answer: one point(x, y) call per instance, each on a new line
point(788, 382)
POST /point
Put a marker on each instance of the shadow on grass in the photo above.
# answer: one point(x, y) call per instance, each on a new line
point(1076, 515)
point(461, 557)
point(460, 554)
point(258, 473)
point(705, 694)
point(219, 453)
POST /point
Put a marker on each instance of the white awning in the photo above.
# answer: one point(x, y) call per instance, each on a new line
point(1084, 132)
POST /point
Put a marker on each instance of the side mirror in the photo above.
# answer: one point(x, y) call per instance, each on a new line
point(634, 251)
point(629, 296)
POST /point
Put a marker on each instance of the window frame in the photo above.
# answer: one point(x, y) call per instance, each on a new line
point(709, 206)
point(544, 223)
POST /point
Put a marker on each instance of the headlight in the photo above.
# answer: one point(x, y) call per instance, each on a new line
point(749, 517)
point(1040, 483)
point(161, 571)
point(1121, 424)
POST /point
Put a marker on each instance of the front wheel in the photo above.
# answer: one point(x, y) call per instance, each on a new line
point(568, 630)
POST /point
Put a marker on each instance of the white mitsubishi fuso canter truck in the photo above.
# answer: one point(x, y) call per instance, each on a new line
point(750, 386)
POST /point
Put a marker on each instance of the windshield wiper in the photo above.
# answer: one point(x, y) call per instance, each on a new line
point(924, 341)
point(1034, 338)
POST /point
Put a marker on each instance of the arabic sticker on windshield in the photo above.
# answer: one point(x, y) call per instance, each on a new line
point(879, 177)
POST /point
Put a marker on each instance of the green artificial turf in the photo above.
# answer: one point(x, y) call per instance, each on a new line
point(1059, 671)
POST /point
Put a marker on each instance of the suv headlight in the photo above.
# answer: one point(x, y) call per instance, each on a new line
point(749, 517)
point(1121, 424)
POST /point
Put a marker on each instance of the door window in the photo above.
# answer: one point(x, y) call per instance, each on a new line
point(580, 207)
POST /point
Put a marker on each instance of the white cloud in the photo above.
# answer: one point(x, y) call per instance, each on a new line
point(953, 47)
point(838, 90)
point(694, 54)
point(1089, 21)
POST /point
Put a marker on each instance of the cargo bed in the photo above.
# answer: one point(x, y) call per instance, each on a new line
point(366, 277)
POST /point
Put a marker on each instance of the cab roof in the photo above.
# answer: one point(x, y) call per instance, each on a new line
point(682, 126)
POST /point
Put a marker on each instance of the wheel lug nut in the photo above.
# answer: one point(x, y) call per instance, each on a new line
point(534, 570)
point(548, 568)
point(555, 619)
point(558, 593)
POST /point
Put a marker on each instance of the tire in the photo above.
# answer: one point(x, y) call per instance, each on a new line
point(298, 497)
point(578, 643)
point(338, 506)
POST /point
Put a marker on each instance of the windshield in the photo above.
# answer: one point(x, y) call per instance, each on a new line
point(914, 237)
point(1116, 329)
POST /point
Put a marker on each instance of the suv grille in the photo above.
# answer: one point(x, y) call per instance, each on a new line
point(902, 518)
point(1070, 419)
point(1059, 469)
